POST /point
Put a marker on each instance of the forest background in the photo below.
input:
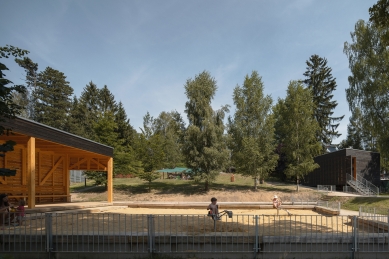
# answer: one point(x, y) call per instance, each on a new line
point(263, 138)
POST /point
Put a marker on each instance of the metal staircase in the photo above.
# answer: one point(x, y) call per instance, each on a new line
point(362, 186)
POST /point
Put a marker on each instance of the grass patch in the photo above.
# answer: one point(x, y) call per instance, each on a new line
point(353, 203)
point(182, 187)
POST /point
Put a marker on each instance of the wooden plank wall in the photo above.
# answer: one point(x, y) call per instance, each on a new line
point(50, 179)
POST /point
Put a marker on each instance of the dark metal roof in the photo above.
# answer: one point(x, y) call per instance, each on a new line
point(44, 132)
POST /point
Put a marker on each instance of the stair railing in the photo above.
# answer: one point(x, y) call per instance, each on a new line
point(372, 189)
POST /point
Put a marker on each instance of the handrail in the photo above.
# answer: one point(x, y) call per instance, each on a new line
point(371, 187)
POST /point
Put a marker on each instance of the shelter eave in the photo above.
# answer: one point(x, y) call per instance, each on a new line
point(24, 128)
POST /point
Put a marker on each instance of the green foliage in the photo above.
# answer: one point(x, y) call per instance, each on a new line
point(379, 15)
point(321, 83)
point(170, 126)
point(26, 99)
point(297, 129)
point(99, 177)
point(52, 98)
point(150, 152)
point(8, 107)
point(125, 162)
point(204, 145)
point(251, 130)
point(369, 83)
point(358, 133)
point(149, 177)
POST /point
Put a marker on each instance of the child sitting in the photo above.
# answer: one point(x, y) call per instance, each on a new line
point(213, 209)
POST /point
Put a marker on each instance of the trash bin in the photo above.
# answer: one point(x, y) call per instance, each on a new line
point(232, 178)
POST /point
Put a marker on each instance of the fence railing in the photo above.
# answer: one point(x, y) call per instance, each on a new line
point(326, 188)
point(366, 187)
point(136, 234)
point(334, 205)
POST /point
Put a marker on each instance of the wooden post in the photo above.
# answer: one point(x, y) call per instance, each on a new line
point(31, 172)
point(67, 178)
point(109, 179)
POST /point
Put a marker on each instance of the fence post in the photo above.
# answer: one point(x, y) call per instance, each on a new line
point(256, 245)
point(151, 233)
point(355, 237)
point(49, 232)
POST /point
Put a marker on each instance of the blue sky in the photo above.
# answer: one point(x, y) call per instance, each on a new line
point(145, 50)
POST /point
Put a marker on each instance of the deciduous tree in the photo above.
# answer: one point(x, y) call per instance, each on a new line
point(252, 130)
point(204, 147)
point(369, 81)
point(297, 129)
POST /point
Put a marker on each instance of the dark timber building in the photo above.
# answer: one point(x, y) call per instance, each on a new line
point(346, 167)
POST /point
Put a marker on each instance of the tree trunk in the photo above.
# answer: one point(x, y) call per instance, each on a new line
point(297, 183)
point(206, 186)
point(255, 183)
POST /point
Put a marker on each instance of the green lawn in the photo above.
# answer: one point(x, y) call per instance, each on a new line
point(176, 186)
point(353, 203)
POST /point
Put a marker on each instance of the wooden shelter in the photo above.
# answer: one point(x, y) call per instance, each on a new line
point(42, 158)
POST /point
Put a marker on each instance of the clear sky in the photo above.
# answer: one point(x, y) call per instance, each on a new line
point(145, 50)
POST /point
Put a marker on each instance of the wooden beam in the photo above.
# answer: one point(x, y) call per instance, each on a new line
point(67, 179)
point(51, 170)
point(73, 167)
point(109, 179)
point(31, 172)
point(99, 164)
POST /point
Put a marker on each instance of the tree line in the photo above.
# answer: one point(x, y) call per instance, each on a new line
point(261, 138)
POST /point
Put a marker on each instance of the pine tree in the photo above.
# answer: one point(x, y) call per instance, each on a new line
point(252, 130)
point(319, 79)
point(204, 145)
point(8, 108)
point(85, 112)
point(52, 98)
point(106, 100)
point(125, 131)
point(297, 129)
point(26, 99)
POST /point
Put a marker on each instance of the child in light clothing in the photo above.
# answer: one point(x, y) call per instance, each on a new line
point(213, 209)
point(20, 212)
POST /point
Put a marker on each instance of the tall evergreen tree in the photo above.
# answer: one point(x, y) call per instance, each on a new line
point(297, 128)
point(8, 108)
point(26, 99)
point(204, 146)
point(319, 79)
point(52, 98)
point(125, 131)
point(252, 130)
point(85, 112)
point(107, 100)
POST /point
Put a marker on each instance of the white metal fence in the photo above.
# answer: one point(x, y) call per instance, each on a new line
point(169, 234)
point(326, 188)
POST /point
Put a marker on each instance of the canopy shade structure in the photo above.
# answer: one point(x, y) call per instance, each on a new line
point(43, 157)
point(176, 170)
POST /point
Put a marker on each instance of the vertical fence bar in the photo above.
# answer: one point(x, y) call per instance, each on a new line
point(256, 244)
point(49, 232)
point(355, 236)
point(150, 233)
